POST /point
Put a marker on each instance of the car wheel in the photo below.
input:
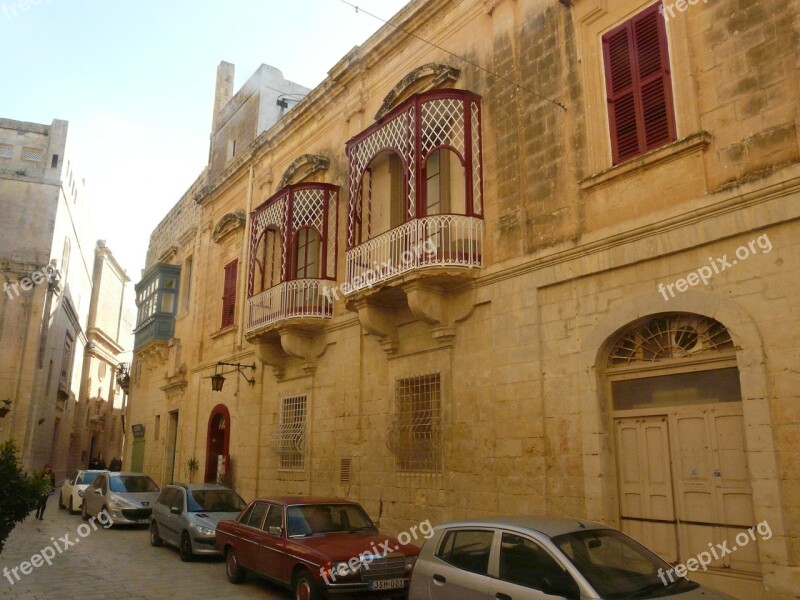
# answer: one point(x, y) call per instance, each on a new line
point(155, 539)
point(61, 501)
point(185, 549)
point(304, 587)
point(233, 569)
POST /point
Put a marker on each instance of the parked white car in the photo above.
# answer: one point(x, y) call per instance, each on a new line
point(71, 496)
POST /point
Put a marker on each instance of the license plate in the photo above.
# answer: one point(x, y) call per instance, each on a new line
point(387, 584)
point(141, 521)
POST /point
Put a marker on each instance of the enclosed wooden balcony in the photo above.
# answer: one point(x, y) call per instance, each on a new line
point(292, 264)
point(416, 193)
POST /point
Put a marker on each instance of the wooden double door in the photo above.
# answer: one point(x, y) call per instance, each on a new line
point(684, 485)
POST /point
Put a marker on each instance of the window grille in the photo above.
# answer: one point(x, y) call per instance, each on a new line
point(6, 151)
point(34, 154)
point(414, 436)
point(670, 336)
point(289, 442)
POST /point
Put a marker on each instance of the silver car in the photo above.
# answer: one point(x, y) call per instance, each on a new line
point(530, 558)
point(186, 516)
point(128, 498)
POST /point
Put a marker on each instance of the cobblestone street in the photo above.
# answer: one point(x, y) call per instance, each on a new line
point(114, 563)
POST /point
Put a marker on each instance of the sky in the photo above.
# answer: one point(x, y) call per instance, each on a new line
point(136, 82)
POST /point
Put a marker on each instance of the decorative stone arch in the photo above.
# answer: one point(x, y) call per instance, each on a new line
point(437, 75)
point(303, 167)
point(227, 225)
point(598, 455)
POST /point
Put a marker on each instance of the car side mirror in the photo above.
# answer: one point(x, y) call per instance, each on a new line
point(275, 530)
point(175, 510)
point(561, 584)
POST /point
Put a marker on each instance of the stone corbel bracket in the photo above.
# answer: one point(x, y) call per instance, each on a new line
point(270, 352)
point(439, 309)
point(379, 321)
point(155, 355)
point(307, 346)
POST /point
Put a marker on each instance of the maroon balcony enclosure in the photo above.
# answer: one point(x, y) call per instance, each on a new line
point(292, 255)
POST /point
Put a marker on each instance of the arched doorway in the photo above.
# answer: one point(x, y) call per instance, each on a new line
point(679, 440)
point(218, 439)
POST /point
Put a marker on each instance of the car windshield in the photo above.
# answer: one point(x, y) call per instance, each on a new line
point(133, 484)
point(215, 501)
point(325, 518)
point(618, 567)
point(86, 478)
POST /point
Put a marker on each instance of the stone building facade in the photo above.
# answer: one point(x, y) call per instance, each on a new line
point(56, 304)
point(535, 258)
point(47, 274)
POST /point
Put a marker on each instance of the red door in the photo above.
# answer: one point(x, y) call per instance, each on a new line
point(219, 434)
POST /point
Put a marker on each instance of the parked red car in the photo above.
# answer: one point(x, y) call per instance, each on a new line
point(316, 547)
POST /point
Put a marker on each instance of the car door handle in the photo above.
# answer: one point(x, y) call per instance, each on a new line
point(440, 579)
point(502, 596)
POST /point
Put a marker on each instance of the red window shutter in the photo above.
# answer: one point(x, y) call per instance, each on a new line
point(638, 85)
point(229, 293)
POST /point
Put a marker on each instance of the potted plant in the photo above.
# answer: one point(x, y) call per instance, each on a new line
point(192, 465)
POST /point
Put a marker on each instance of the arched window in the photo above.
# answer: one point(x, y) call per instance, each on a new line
point(445, 178)
point(307, 254)
point(268, 260)
point(383, 205)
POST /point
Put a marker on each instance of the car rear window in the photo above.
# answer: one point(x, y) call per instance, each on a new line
point(86, 478)
point(467, 549)
point(215, 501)
point(133, 484)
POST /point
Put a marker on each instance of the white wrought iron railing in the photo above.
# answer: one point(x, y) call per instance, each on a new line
point(291, 299)
point(439, 240)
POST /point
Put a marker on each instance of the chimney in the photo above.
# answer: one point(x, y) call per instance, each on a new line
point(223, 91)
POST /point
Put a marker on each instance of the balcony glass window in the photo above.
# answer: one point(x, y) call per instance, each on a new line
point(307, 253)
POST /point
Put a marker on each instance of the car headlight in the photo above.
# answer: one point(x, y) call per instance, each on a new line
point(341, 569)
point(80, 493)
point(410, 562)
point(117, 503)
point(206, 530)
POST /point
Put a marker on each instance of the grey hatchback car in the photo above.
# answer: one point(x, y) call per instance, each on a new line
point(186, 516)
point(530, 558)
point(127, 497)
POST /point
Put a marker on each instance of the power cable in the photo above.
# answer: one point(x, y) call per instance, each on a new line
point(477, 66)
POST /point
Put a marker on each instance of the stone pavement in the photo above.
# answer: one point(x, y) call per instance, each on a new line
point(113, 563)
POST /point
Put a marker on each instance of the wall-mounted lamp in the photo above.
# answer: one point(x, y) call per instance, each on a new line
point(5, 408)
point(217, 379)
